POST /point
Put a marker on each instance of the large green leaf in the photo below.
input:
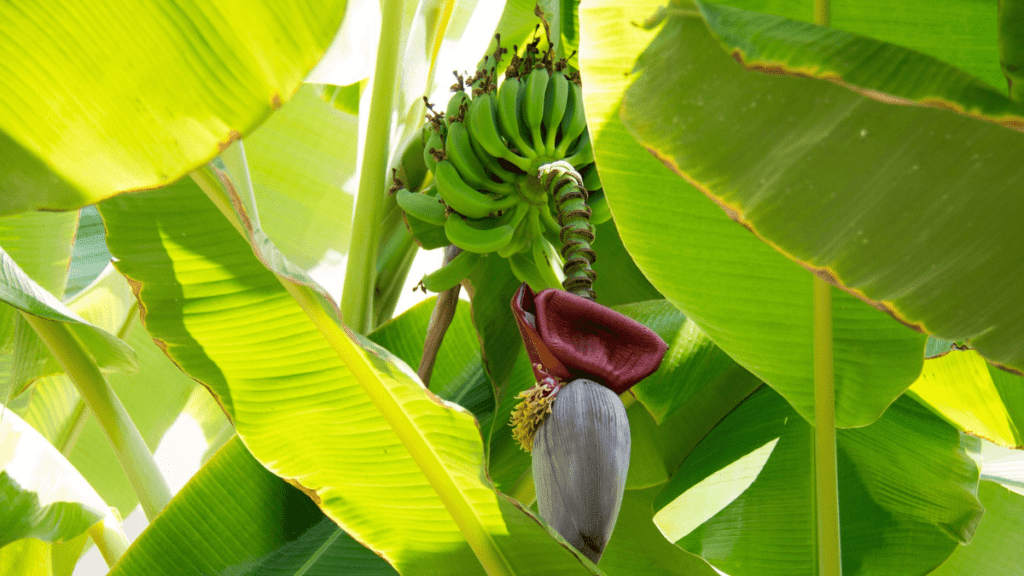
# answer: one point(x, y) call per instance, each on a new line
point(997, 545)
point(396, 467)
point(619, 281)
point(751, 301)
point(907, 492)
point(43, 496)
point(974, 396)
point(764, 147)
point(235, 518)
point(958, 32)
point(163, 88)
point(89, 256)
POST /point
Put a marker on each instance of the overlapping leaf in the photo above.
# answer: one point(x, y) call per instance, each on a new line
point(235, 518)
point(162, 89)
point(974, 396)
point(764, 148)
point(380, 455)
point(751, 301)
point(907, 493)
point(44, 496)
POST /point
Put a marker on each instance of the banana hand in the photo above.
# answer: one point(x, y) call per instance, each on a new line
point(449, 275)
point(421, 206)
point(533, 105)
point(508, 115)
point(574, 122)
point(484, 130)
point(554, 108)
point(460, 152)
point(484, 235)
point(464, 199)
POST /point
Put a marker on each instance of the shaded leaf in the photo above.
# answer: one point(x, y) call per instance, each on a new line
point(751, 301)
point(907, 492)
point(997, 545)
point(782, 182)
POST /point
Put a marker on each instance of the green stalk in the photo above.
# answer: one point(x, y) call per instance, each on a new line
point(124, 437)
point(109, 538)
point(822, 13)
point(1011, 46)
point(826, 477)
point(357, 295)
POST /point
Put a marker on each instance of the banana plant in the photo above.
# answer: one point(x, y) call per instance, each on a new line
point(740, 288)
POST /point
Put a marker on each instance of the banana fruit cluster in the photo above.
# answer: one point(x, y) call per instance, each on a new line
point(484, 151)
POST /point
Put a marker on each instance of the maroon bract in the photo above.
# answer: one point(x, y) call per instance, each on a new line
point(572, 337)
point(569, 337)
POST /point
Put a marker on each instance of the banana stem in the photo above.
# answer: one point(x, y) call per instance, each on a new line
point(356, 297)
point(109, 538)
point(826, 477)
point(440, 320)
point(566, 186)
point(131, 450)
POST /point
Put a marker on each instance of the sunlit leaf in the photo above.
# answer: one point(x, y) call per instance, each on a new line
point(162, 89)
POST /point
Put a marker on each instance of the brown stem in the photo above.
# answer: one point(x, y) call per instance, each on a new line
point(440, 319)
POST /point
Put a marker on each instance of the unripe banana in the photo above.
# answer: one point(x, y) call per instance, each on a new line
point(580, 462)
point(508, 115)
point(460, 152)
point(542, 257)
point(519, 240)
point(599, 210)
point(464, 199)
point(483, 128)
point(584, 152)
point(591, 180)
point(433, 143)
point(554, 108)
point(533, 105)
point(490, 164)
point(484, 235)
point(413, 166)
point(454, 103)
point(526, 270)
point(574, 122)
point(449, 275)
point(421, 206)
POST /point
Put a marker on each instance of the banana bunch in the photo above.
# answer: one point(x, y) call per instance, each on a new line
point(484, 151)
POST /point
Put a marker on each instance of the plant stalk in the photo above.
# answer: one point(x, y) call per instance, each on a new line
point(357, 294)
point(826, 477)
point(131, 450)
point(109, 538)
point(440, 320)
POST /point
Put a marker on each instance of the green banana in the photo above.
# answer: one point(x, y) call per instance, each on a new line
point(599, 211)
point(460, 153)
point(484, 235)
point(533, 105)
point(465, 200)
point(525, 270)
point(574, 122)
point(584, 153)
point(433, 143)
point(454, 103)
point(520, 239)
point(508, 115)
point(482, 128)
point(449, 275)
point(541, 256)
point(550, 224)
point(554, 108)
point(591, 180)
point(490, 164)
point(421, 206)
